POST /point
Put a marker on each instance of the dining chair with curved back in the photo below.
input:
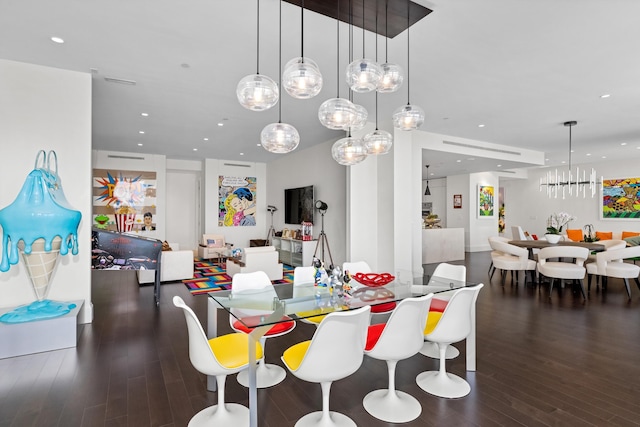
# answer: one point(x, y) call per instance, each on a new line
point(219, 357)
point(354, 267)
point(438, 305)
point(494, 252)
point(267, 375)
point(399, 338)
point(610, 263)
point(513, 258)
point(335, 351)
point(558, 269)
point(454, 325)
point(302, 276)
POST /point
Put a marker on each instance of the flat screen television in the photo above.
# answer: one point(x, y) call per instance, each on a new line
point(298, 205)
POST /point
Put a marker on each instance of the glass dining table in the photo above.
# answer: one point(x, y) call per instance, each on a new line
point(306, 300)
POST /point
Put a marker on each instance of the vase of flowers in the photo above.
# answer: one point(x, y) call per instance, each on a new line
point(555, 224)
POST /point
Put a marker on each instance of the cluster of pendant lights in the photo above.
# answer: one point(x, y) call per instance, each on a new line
point(302, 79)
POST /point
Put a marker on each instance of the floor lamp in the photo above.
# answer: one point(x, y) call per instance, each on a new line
point(322, 238)
point(272, 231)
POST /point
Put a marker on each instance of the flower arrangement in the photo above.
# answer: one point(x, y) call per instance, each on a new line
point(557, 222)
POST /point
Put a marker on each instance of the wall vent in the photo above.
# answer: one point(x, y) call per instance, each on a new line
point(120, 81)
point(479, 147)
point(238, 165)
point(115, 156)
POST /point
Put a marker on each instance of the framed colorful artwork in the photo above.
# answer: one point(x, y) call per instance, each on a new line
point(457, 201)
point(620, 199)
point(486, 206)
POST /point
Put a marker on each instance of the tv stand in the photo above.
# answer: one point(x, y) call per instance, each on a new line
point(294, 252)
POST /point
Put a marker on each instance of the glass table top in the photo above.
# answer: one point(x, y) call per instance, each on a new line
point(283, 302)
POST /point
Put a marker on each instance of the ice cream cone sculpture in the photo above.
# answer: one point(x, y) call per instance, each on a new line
point(40, 265)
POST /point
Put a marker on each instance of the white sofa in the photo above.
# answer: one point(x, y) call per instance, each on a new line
point(261, 258)
point(174, 265)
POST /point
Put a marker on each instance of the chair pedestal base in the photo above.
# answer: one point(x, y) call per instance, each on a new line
point(267, 375)
point(430, 349)
point(398, 407)
point(335, 419)
point(443, 384)
point(233, 414)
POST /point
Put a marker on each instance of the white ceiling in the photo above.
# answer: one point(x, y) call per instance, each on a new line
point(521, 68)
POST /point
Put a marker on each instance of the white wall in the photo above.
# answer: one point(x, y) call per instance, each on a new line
point(529, 208)
point(312, 166)
point(238, 236)
point(45, 108)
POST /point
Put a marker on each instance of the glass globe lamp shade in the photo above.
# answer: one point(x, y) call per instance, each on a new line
point(359, 118)
point(392, 78)
point(409, 117)
point(279, 138)
point(378, 142)
point(336, 113)
point(257, 92)
point(348, 151)
point(363, 75)
point(302, 78)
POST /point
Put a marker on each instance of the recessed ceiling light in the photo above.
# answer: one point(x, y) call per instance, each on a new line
point(588, 154)
point(458, 161)
point(481, 126)
point(606, 95)
point(141, 132)
point(220, 124)
point(623, 143)
point(573, 151)
point(144, 114)
point(140, 144)
point(242, 154)
point(563, 162)
point(195, 149)
point(499, 166)
point(57, 40)
point(258, 145)
point(206, 139)
point(604, 157)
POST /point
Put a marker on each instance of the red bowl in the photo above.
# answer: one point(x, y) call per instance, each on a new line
point(374, 279)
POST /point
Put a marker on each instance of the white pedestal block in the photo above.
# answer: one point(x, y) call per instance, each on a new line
point(442, 245)
point(19, 339)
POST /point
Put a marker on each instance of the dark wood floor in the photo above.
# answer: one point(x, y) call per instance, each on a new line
point(541, 362)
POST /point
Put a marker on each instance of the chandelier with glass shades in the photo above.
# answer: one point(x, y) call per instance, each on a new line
point(557, 182)
point(302, 79)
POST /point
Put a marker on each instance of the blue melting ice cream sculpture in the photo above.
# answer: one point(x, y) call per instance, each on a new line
point(40, 211)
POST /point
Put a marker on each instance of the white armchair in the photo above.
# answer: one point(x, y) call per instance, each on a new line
point(211, 246)
point(259, 258)
point(175, 265)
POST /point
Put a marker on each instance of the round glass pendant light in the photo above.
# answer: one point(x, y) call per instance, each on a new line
point(409, 117)
point(279, 138)
point(359, 119)
point(256, 92)
point(391, 79)
point(363, 75)
point(301, 78)
point(336, 113)
point(392, 75)
point(378, 142)
point(348, 151)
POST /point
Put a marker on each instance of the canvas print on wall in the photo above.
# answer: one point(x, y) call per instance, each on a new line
point(236, 201)
point(620, 198)
point(124, 201)
point(486, 195)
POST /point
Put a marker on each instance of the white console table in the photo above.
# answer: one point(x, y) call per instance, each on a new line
point(294, 252)
point(442, 245)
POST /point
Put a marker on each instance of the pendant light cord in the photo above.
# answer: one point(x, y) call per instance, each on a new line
point(570, 126)
point(386, 31)
point(338, 52)
point(280, 62)
point(258, 37)
point(363, 54)
point(408, 67)
point(302, 32)
point(376, 62)
point(350, 45)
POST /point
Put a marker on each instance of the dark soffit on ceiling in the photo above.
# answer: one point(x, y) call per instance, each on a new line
point(396, 15)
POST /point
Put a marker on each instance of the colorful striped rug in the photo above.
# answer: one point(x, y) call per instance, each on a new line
point(210, 277)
